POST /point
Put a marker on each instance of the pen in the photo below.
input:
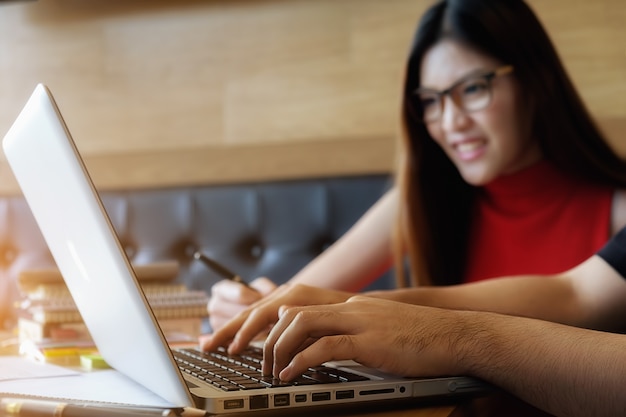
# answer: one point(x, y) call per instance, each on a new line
point(27, 407)
point(219, 268)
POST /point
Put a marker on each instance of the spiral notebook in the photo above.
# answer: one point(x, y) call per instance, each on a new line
point(75, 225)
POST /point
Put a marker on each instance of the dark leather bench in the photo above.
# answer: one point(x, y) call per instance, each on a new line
point(259, 229)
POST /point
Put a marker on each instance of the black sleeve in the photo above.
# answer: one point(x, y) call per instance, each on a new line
point(614, 252)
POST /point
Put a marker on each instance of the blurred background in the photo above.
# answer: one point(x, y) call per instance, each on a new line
point(180, 92)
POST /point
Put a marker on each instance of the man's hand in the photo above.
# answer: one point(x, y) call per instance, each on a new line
point(249, 323)
point(394, 337)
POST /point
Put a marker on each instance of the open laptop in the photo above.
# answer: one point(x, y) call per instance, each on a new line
point(76, 227)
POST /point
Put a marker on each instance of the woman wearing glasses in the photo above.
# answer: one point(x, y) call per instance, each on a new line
point(503, 171)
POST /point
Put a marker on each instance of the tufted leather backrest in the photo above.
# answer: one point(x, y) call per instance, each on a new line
point(267, 229)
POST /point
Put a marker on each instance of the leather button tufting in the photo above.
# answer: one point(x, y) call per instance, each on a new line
point(250, 249)
point(190, 249)
point(256, 250)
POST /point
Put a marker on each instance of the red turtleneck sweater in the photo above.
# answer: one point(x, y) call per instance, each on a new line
point(536, 221)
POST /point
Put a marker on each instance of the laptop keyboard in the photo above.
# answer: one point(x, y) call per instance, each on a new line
point(243, 371)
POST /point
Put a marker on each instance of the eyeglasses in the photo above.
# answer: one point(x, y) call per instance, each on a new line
point(470, 93)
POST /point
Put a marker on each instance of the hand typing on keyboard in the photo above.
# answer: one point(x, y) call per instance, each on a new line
point(247, 325)
point(377, 333)
point(243, 371)
point(394, 337)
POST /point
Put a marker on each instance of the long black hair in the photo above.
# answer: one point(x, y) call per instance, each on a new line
point(436, 212)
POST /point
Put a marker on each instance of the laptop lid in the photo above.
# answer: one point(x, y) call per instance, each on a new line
point(83, 242)
point(77, 230)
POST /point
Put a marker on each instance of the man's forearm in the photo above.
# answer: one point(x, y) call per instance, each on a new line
point(546, 298)
point(564, 370)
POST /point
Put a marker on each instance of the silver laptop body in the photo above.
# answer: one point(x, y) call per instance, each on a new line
point(76, 227)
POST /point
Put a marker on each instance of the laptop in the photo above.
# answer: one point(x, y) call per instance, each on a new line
point(80, 236)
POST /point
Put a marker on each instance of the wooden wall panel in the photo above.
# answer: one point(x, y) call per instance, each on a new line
point(166, 92)
point(591, 39)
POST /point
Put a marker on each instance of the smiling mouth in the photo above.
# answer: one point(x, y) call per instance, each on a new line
point(470, 149)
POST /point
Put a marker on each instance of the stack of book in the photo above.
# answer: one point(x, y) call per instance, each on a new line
point(47, 311)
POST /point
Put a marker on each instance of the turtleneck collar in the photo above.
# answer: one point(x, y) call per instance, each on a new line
point(539, 178)
point(529, 189)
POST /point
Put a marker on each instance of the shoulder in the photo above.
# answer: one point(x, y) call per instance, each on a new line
point(618, 211)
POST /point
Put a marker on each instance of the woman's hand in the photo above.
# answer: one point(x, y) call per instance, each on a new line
point(394, 337)
point(249, 323)
point(229, 298)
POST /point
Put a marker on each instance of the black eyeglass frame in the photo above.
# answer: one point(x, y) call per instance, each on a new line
point(489, 76)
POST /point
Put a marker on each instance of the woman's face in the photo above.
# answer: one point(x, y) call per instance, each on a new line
point(487, 143)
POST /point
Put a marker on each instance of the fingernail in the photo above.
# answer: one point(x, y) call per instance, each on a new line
point(232, 348)
point(285, 374)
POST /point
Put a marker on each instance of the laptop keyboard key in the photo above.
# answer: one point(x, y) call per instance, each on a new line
point(243, 372)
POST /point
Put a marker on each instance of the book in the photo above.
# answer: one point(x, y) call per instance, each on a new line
point(161, 296)
point(164, 304)
point(30, 329)
point(59, 291)
point(59, 352)
point(29, 280)
point(174, 329)
point(48, 311)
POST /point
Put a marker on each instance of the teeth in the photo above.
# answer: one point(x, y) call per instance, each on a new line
point(468, 146)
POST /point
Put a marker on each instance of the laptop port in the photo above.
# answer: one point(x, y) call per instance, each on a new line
point(300, 398)
point(345, 394)
point(377, 391)
point(259, 401)
point(281, 400)
point(320, 396)
point(232, 404)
